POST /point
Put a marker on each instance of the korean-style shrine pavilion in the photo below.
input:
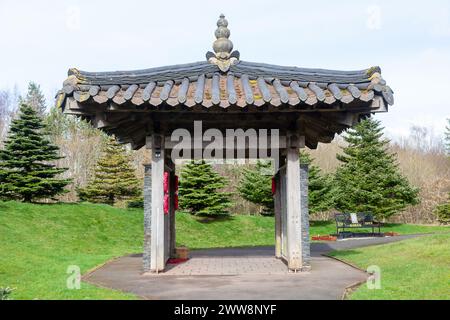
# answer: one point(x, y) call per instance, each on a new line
point(305, 106)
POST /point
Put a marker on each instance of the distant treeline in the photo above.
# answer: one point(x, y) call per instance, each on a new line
point(421, 157)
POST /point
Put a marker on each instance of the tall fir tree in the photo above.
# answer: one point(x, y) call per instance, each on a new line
point(255, 186)
point(114, 177)
point(369, 179)
point(200, 190)
point(26, 172)
point(320, 186)
point(35, 99)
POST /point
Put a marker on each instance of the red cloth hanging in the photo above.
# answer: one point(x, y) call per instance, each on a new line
point(274, 185)
point(166, 182)
point(175, 200)
point(166, 204)
point(177, 260)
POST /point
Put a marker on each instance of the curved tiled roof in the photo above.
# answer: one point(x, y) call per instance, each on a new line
point(225, 91)
point(252, 69)
point(245, 83)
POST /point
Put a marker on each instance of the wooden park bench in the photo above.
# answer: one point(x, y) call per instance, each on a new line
point(345, 222)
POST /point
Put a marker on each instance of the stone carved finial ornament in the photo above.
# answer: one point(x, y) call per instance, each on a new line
point(223, 55)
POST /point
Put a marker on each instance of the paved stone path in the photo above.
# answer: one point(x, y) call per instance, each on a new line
point(238, 273)
point(239, 265)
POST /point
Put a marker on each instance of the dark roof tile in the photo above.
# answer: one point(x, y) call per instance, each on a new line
point(245, 84)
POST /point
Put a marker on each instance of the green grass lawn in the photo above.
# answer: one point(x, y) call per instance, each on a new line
point(39, 242)
point(244, 230)
point(327, 227)
point(236, 231)
point(411, 269)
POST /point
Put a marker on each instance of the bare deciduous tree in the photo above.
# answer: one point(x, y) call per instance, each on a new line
point(447, 137)
point(422, 139)
point(8, 109)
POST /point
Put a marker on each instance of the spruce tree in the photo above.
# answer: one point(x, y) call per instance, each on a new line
point(200, 190)
point(369, 179)
point(35, 99)
point(320, 186)
point(114, 177)
point(26, 172)
point(256, 186)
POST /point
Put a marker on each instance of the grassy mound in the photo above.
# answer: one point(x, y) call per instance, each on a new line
point(39, 243)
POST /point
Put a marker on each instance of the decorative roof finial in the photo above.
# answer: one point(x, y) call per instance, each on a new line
point(224, 55)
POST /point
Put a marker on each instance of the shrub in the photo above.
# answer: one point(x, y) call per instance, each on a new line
point(5, 293)
point(136, 203)
point(443, 213)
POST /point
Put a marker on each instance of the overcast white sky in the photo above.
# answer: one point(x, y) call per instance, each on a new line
point(410, 40)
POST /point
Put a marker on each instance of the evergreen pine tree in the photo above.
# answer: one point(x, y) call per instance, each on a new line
point(35, 99)
point(200, 192)
point(256, 186)
point(320, 187)
point(114, 177)
point(25, 169)
point(369, 179)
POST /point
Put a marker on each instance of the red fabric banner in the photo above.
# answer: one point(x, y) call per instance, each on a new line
point(166, 204)
point(166, 182)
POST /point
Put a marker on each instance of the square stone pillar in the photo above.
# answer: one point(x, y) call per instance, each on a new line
point(298, 247)
point(293, 221)
point(147, 217)
point(293, 204)
point(304, 212)
point(277, 211)
point(155, 222)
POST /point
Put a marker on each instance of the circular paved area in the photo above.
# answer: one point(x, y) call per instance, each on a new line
point(238, 273)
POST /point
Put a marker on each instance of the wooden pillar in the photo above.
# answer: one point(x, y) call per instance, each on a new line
point(293, 203)
point(157, 261)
